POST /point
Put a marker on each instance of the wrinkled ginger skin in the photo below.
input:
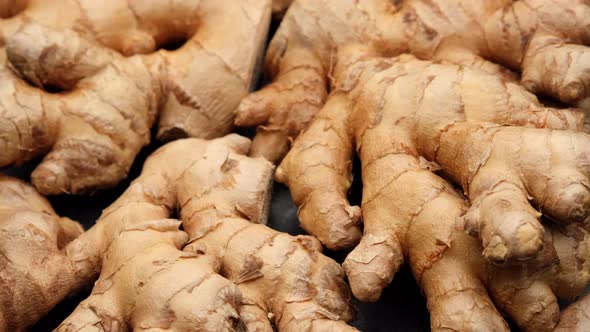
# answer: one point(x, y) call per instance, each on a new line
point(120, 245)
point(156, 286)
point(92, 133)
point(32, 235)
point(310, 292)
point(420, 125)
point(285, 281)
point(406, 118)
point(529, 36)
point(220, 193)
point(134, 255)
point(117, 79)
point(145, 280)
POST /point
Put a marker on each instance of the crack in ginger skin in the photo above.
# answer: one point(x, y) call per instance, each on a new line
point(279, 7)
point(117, 81)
point(223, 272)
point(406, 118)
point(529, 36)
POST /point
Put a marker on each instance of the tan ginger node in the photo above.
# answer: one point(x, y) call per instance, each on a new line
point(115, 78)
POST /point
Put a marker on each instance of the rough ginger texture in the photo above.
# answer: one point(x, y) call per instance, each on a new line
point(107, 60)
point(140, 256)
point(145, 280)
point(405, 118)
point(32, 237)
point(545, 40)
point(576, 317)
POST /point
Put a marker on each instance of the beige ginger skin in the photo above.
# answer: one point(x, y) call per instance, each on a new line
point(545, 40)
point(468, 113)
point(575, 318)
point(32, 235)
point(223, 272)
point(406, 118)
point(403, 116)
point(115, 78)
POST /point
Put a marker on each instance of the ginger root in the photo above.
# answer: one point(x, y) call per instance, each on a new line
point(530, 36)
point(146, 281)
point(221, 194)
point(32, 237)
point(136, 257)
point(406, 118)
point(115, 78)
point(576, 317)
